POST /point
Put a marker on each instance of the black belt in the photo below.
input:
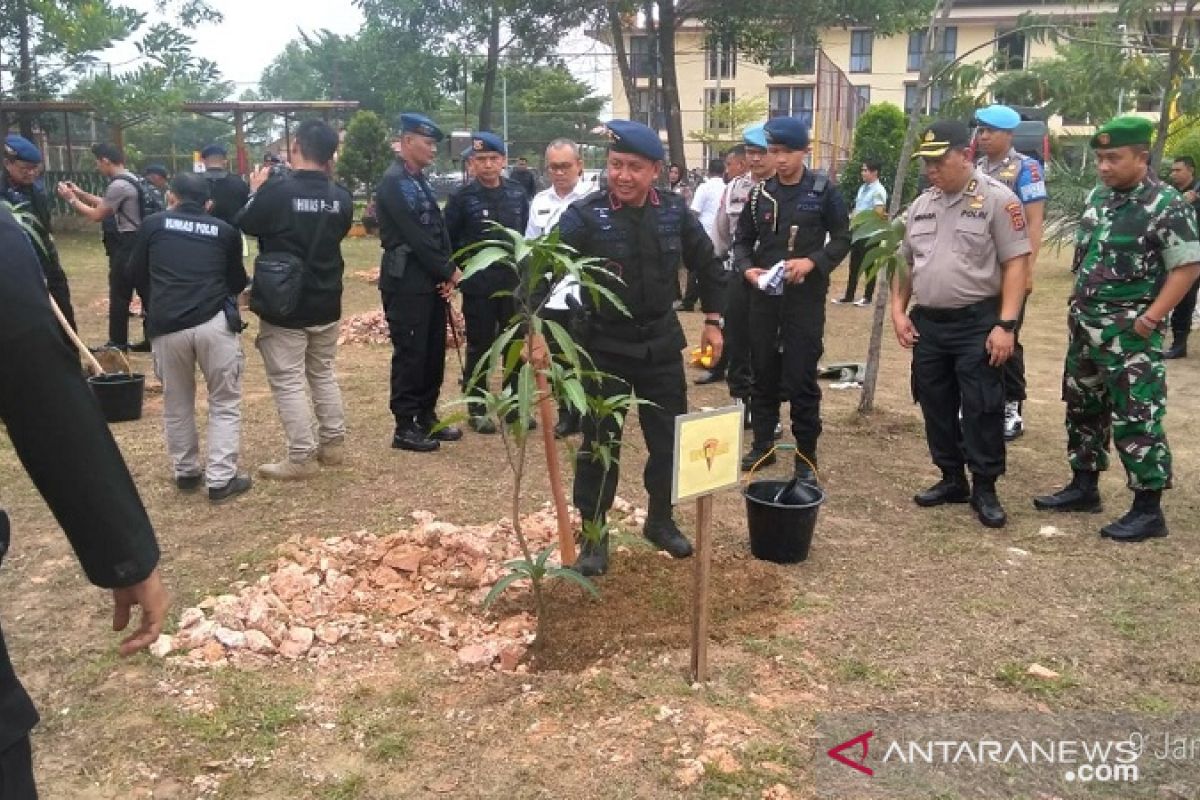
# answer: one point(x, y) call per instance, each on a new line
point(633, 330)
point(990, 306)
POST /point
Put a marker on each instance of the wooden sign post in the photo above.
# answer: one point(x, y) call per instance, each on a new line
point(708, 447)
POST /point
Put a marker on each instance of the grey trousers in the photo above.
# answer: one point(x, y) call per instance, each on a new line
point(299, 363)
point(218, 352)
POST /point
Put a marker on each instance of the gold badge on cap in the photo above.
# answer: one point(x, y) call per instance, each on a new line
point(929, 136)
point(477, 144)
point(1104, 138)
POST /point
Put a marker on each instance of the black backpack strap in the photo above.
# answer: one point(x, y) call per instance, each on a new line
point(140, 200)
point(820, 181)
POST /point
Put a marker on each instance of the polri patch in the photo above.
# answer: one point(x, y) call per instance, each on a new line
point(1016, 215)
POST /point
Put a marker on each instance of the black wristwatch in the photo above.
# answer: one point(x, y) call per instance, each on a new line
point(1008, 325)
point(719, 323)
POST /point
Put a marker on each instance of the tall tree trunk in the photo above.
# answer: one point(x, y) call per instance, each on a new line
point(670, 81)
point(23, 90)
point(1173, 83)
point(937, 23)
point(655, 62)
point(617, 31)
point(490, 71)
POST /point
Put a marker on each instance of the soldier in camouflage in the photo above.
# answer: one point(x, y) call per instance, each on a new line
point(1135, 233)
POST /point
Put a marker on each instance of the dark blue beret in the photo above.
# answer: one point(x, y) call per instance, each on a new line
point(487, 142)
point(155, 169)
point(466, 154)
point(22, 149)
point(787, 131)
point(214, 150)
point(635, 138)
point(411, 122)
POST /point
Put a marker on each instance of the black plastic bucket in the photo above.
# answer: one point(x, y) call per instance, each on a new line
point(782, 519)
point(120, 395)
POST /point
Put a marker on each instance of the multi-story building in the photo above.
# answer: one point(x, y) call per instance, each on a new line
point(850, 64)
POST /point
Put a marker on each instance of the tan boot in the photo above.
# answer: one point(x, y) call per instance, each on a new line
point(332, 453)
point(289, 470)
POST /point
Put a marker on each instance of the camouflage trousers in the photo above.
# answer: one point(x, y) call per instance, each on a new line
point(1115, 388)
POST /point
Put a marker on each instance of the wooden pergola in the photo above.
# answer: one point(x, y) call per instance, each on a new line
point(242, 111)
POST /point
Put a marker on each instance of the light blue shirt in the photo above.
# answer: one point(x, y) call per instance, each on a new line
point(870, 196)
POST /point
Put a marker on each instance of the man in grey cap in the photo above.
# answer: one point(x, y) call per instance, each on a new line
point(967, 244)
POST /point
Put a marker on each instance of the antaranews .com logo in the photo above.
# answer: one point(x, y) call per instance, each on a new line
point(1005, 755)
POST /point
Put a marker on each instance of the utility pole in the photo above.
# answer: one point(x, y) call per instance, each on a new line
point(504, 102)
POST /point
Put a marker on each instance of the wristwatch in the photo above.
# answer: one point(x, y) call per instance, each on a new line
point(1008, 325)
point(717, 323)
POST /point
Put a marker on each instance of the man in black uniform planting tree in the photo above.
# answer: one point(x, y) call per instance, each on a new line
point(60, 436)
point(642, 234)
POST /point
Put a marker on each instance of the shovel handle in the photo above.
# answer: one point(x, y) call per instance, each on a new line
point(83, 348)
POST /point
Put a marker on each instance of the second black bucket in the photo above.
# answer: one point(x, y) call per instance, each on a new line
point(782, 518)
point(120, 395)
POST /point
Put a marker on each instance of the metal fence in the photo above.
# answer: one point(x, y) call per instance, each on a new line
point(836, 109)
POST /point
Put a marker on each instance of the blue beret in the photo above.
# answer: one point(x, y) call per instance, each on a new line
point(214, 150)
point(787, 131)
point(755, 136)
point(466, 154)
point(487, 142)
point(411, 122)
point(999, 117)
point(22, 149)
point(635, 138)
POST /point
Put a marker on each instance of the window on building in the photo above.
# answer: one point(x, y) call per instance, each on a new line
point(861, 44)
point(798, 57)
point(717, 109)
point(939, 94)
point(791, 101)
point(1158, 33)
point(864, 94)
point(641, 110)
point(946, 51)
point(1011, 49)
point(721, 61)
point(642, 61)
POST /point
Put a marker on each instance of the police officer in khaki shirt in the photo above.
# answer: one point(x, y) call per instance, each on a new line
point(968, 247)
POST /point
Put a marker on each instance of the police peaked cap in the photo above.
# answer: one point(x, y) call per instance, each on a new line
point(214, 150)
point(1002, 118)
point(634, 138)
point(1123, 131)
point(411, 122)
point(787, 131)
point(942, 136)
point(21, 149)
point(755, 136)
point(487, 142)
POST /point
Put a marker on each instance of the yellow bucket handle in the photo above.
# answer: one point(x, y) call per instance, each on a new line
point(782, 447)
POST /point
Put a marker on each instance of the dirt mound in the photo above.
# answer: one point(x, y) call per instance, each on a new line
point(372, 328)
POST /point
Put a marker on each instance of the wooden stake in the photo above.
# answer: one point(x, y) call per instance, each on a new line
point(704, 510)
point(566, 536)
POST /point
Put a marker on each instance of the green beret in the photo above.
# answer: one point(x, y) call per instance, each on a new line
point(1122, 131)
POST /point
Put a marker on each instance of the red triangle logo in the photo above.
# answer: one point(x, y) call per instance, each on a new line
point(860, 764)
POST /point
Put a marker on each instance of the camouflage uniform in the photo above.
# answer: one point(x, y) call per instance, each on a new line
point(1114, 381)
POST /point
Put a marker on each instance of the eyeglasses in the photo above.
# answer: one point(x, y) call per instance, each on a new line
point(24, 167)
point(565, 167)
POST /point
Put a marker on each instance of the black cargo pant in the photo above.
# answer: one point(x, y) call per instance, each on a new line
point(734, 363)
point(1181, 317)
point(486, 319)
point(661, 384)
point(1014, 368)
point(785, 349)
point(858, 251)
point(950, 371)
point(17, 716)
point(16, 772)
point(417, 327)
point(120, 285)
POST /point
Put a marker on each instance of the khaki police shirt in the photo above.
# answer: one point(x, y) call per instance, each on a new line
point(957, 243)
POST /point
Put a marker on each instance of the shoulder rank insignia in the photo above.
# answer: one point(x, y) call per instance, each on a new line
point(971, 187)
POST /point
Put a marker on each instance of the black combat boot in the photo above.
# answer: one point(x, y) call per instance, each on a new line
point(1144, 521)
point(759, 451)
point(662, 531)
point(802, 470)
point(986, 503)
point(952, 488)
point(593, 557)
point(1178, 347)
point(1081, 494)
point(446, 433)
point(413, 437)
point(568, 423)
